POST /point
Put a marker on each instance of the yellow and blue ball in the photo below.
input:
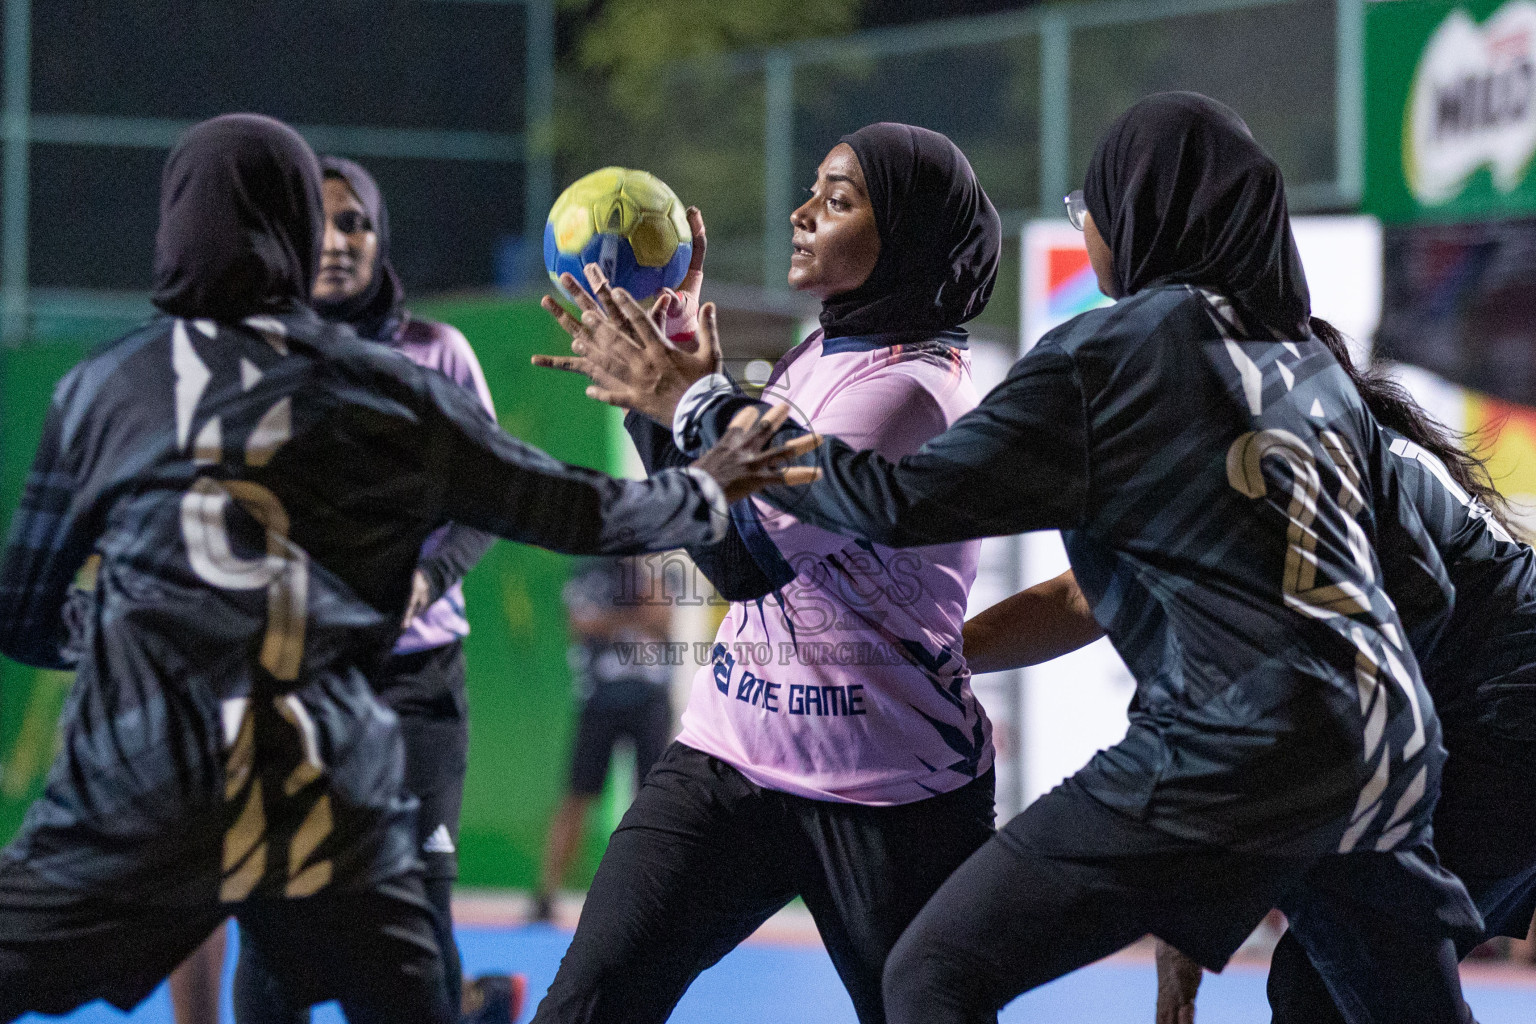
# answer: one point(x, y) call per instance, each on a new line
point(627, 222)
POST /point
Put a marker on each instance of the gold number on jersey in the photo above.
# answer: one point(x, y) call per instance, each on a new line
point(1245, 472)
point(283, 571)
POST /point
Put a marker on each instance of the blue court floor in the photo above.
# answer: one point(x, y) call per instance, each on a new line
point(763, 983)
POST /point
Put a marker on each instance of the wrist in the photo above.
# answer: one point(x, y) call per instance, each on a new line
point(668, 401)
point(692, 402)
point(675, 386)
point(714, 496)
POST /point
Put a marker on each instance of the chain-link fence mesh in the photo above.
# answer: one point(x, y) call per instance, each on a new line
point(714, 134)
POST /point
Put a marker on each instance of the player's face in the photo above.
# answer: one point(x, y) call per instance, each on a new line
point(351, 245)
point(1099, 256)
point(835, 237)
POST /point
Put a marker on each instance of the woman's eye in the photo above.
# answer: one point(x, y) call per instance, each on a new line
point(837, 204)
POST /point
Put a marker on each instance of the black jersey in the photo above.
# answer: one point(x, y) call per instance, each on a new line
point(1215, 488)
point(1478, 653)
point(258, 494)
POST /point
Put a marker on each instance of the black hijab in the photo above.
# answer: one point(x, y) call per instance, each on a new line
point(1183, 194)
point(939, 236)
point(240, 220)
point(375, 311)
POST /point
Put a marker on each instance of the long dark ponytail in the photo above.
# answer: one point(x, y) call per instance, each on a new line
point(1395, 409)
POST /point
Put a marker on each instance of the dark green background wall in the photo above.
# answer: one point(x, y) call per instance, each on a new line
point(521, 714)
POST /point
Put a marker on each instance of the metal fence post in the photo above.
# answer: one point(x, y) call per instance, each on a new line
point(15, 122)
point(1018, 712)
point(538, 130)
point(1055, 114)
point(1349, 117)
point(778, 164)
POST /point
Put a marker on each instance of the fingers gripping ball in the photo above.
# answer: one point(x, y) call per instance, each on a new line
point(627, 222)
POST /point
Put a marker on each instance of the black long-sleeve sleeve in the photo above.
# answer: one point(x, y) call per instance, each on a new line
point(499, 484)
point(459, 551)
point(729, 565)
point(1018, 462)
point(48, 543)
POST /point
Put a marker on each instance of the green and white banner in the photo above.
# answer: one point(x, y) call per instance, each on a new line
point(1450, 109)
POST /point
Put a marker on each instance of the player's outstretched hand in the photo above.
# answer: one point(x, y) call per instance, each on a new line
point(583, 340)
point(619, 346)
point(1178, 979)
point(742, 463)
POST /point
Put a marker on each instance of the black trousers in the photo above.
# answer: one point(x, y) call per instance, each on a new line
point(1070, 881)
point(1485, 832)
point(371, 949)
point(1298, 994)
point(703, 857)
point(426, 690)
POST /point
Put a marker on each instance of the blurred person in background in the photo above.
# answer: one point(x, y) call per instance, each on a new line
point(844, 760)
point(622, 689)
point(258, 485)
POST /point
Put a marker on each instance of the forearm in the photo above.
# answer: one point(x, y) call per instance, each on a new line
point(503, 486)
point(597, 515)
point(856, 496)
point(918, 501)
point(460, 550)
point(730, 565)
point(40, 561)
point(653, 443)
point(490, 480)
point(1017, 462)
point(1033, 626)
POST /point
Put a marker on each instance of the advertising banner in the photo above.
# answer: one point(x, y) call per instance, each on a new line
point(1342, 256)
point(1057, 281)
point(1502, 433)
point(1459, 301)
point(1450, 109)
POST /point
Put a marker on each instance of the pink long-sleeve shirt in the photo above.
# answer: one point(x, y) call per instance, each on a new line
point(850, 684)
point(443, 348)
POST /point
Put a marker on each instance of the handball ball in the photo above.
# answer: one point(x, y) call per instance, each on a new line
point(627, 222)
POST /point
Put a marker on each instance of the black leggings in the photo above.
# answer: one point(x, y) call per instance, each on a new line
point(260, 997)
point(704, 856)
point(426, 689)
point(371, 950)
point(1297, 994)
point(1485, 835)
point(1069, 881)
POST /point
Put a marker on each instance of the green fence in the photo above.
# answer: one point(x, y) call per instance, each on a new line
point(521, 713)
point(29, 699)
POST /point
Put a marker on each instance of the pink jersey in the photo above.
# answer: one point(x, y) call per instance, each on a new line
point(850, 684)
point(443, 348)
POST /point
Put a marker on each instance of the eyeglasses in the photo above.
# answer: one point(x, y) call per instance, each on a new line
point(1077, 208)
point(349, 222)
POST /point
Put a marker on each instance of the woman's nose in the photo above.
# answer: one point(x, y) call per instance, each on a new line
point(335, 241)
point(801, 218)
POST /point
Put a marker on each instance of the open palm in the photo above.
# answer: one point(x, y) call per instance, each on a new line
point(621, 348)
